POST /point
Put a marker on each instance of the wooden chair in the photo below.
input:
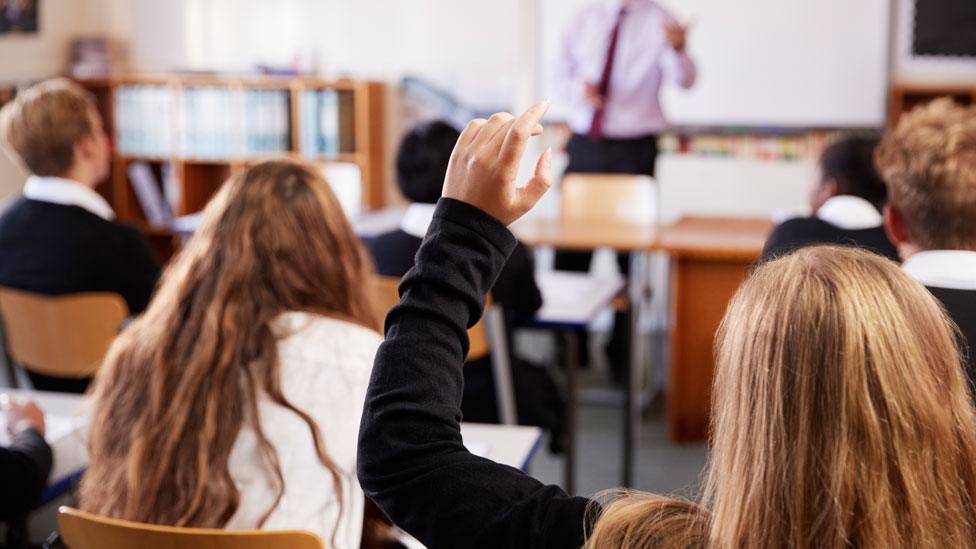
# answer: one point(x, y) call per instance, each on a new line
point(62, 336)
point(486, 337)
point(609, 198)
point(80, 530)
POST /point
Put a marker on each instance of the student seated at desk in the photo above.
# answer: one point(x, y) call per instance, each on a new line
point(26, 462)
point(235, 400)
point(420, 167)
point(847, 205)
point(60, 236)
point(929, 162)
point(841, 414)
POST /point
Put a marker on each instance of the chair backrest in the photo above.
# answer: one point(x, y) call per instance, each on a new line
point(387, 296)
point(617, 198)
point(61, 336)
point(80, 530)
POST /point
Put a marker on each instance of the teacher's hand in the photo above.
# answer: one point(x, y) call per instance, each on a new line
point(677, 35)
point(485, 163)
point(592, 96)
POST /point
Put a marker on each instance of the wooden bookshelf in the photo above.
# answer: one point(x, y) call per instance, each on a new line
point(200, 178)
point(905, 97)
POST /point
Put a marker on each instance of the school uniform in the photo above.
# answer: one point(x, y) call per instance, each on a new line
point(24, 467)
point(412, 460)
point(951, 277)
point(845, 220)
point(61, 237)
point(324, 365)
point(537, 396)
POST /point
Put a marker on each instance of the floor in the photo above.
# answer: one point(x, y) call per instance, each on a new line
point(661, 467)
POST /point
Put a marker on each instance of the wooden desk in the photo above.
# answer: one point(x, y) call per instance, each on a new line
point(710, 257)
point(622, 237)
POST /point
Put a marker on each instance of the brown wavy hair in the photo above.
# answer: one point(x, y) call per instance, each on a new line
point(178, 385)
point(841, 418)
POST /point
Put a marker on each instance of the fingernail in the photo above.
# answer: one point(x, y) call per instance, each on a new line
point(549, 156)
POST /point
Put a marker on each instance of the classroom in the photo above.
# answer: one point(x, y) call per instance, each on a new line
point(593, 274)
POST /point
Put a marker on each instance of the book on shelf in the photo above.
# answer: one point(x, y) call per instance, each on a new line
point(204, 122)
point(327, 123)
point(149, 195)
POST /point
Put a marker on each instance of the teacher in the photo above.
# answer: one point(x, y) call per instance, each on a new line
point(616, 56)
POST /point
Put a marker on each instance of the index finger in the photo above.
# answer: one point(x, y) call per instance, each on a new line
point(523, 128)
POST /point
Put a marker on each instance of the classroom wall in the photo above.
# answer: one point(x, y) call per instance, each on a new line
point(25, 58)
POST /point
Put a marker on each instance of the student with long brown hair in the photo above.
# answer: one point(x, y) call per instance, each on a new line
point(235, 400)
point(841, 417)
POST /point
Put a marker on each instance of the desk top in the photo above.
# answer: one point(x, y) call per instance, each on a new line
point(67, 433)
point(585, 236)
point(715, 238)
point(573, 300)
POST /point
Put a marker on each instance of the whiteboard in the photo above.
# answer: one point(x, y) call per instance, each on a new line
point(765, 63)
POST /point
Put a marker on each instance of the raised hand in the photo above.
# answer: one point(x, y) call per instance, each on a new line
point(22, 415)
point(485, 163)
point(677, 35)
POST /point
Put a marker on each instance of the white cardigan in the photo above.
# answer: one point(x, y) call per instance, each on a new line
point(325, 366)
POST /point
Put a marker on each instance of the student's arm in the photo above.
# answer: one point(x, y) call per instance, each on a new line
point(26, 463)
point(412, 461)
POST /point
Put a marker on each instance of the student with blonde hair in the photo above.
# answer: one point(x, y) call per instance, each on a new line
point(929, 163)
point(841, 414)
point(235, 400)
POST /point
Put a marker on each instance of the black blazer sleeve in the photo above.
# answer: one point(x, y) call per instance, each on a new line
point(24, 468)
point(412, 461)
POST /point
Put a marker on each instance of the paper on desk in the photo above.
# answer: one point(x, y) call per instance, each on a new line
point(575, 298)
point(56, 428)
point(480, 449)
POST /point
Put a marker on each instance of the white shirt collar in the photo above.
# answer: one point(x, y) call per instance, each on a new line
point(850, 213)
point(417, 219)
point(57, 190)
point(950, 269)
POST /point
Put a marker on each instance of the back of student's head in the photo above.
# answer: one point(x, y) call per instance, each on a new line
point(929, 163)
point(422, 161)
point(841, 416)
point(42, 125)
point(850, 164)
point(178, 385)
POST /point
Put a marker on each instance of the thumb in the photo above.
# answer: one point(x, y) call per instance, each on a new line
point(536, 187)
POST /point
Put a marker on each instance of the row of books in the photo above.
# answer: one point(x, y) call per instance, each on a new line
point(326, 122)
point(806, 146)
point(219, 123)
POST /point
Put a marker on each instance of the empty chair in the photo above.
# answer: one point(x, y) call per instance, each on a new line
point(80, 530)
point(60, 340)
point(610, 198)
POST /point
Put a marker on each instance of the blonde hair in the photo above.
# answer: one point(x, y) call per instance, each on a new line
point(841, 418)
point(929, 163)
point(42, 125)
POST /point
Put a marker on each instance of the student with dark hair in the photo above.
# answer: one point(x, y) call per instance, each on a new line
point(421, 164)
point(847, 205)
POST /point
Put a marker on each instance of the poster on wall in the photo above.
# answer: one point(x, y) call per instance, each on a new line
point(18, 16)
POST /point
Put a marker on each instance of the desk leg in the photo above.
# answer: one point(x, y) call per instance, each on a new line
point(638, 291)
point(572, 427)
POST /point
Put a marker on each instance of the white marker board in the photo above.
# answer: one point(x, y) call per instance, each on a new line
point(764, 63)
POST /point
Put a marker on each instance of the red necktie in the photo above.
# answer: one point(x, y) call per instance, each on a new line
point(596, 129)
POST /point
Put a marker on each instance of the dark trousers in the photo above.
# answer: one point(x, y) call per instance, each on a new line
point(627, 156)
